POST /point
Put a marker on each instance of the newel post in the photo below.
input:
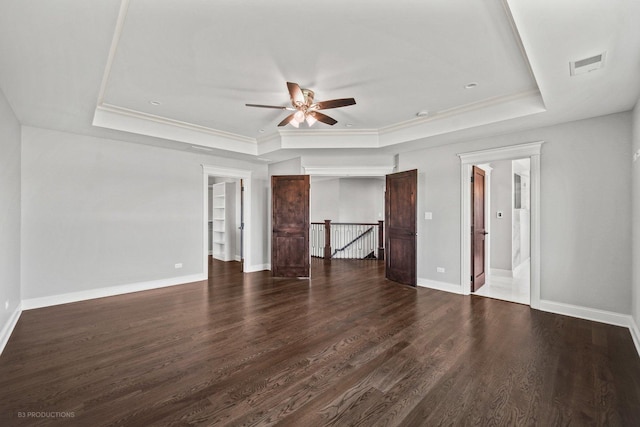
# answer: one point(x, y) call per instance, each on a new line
point(327, 240)
point(380, 239)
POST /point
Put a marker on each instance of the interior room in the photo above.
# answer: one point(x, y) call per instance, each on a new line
point(175, 179)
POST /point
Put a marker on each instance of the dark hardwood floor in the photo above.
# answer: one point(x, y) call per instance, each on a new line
point(346, 348)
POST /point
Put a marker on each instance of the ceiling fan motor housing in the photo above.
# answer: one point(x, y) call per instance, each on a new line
point(308, 96)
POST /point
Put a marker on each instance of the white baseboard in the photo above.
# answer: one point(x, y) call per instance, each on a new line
point(257, 267)
point(238, 258)
point(596, 315)
point(635, 334)
point(5, 334)
point(47, 301)
point(441, 286)
point(586, 313)
point(499, 272)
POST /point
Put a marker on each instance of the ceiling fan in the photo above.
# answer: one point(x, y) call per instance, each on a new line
point(305, 109)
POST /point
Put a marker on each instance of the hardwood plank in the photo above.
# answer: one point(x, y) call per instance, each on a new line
point(347, 347)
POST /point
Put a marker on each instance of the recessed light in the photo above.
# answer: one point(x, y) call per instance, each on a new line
point(422, 113)
point(154, 102)
point(470, 85)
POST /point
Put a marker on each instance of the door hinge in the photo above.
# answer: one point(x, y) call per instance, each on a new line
point(471, 178)
point(471, 278)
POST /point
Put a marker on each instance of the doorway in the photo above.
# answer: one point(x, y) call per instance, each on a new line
point(225, 219)
point(500, 239)
point(529, 151)
point(230, 220)
point(403, 216)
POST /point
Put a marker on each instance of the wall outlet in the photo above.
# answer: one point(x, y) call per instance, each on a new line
point(428, 215)
point(440, 269)
point(178, 265)
point(499, 214)
point(6, 305)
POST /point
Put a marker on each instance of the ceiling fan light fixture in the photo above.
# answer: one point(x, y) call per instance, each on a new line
point(311, 120)
point(305, 108)
point(299, 116)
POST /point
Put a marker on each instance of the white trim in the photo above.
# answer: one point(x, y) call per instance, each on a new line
point(118, 118)
point(115, 41)
point(462, 109)
point(518, 270)
point(440, 286)
point(587, 313)
point(511, 152)
point(348, 170)
point(32, 303)
point(467, 160)
point(257, 267)
point(635, 334)
point(499, 272)
point(9, 327)
point(245, 175)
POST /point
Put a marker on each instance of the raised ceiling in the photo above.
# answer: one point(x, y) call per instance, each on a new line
point(71, 64)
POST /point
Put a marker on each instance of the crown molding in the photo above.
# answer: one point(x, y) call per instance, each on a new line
point(118, 118)
point(348, 170)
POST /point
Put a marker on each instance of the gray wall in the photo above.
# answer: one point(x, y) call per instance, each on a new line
point(347, 199)
point(286, 167)
point(361, 200)
point(585, 209)
point(9, 212)
point(636, 216)
point(324, 199)
point(501, 228)
point(99, 213)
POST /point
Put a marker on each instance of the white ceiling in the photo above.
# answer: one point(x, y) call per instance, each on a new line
point(93, 66)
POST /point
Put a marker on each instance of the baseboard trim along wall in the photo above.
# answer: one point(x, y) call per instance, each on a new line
point(635, 334)
point(9, 326)
point(586, 313)
point(596, 315)
point(257, 267)
point(32, 303)
point(440, 286)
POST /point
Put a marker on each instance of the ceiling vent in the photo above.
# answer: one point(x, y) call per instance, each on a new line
point(587, 65)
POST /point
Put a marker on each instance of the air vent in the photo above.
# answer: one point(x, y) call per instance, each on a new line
point(587, 65)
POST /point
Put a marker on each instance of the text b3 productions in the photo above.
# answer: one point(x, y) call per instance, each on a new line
point(46, 414)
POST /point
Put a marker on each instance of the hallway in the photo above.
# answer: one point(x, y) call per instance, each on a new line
point(514, 289)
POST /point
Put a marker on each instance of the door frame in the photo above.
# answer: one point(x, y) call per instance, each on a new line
point(513, 152)
point(245, 175)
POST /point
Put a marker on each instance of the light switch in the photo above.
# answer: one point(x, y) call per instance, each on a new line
point(428, 215)
point(499, 214)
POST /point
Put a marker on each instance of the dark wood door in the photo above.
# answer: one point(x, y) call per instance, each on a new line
point(290, 226)
point(400, 227)
point(478, 231)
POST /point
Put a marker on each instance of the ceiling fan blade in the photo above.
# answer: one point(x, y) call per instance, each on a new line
point(289, 119)
point(297, 98)
point(323, 118)
point(268, 106)
point(335, 103)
